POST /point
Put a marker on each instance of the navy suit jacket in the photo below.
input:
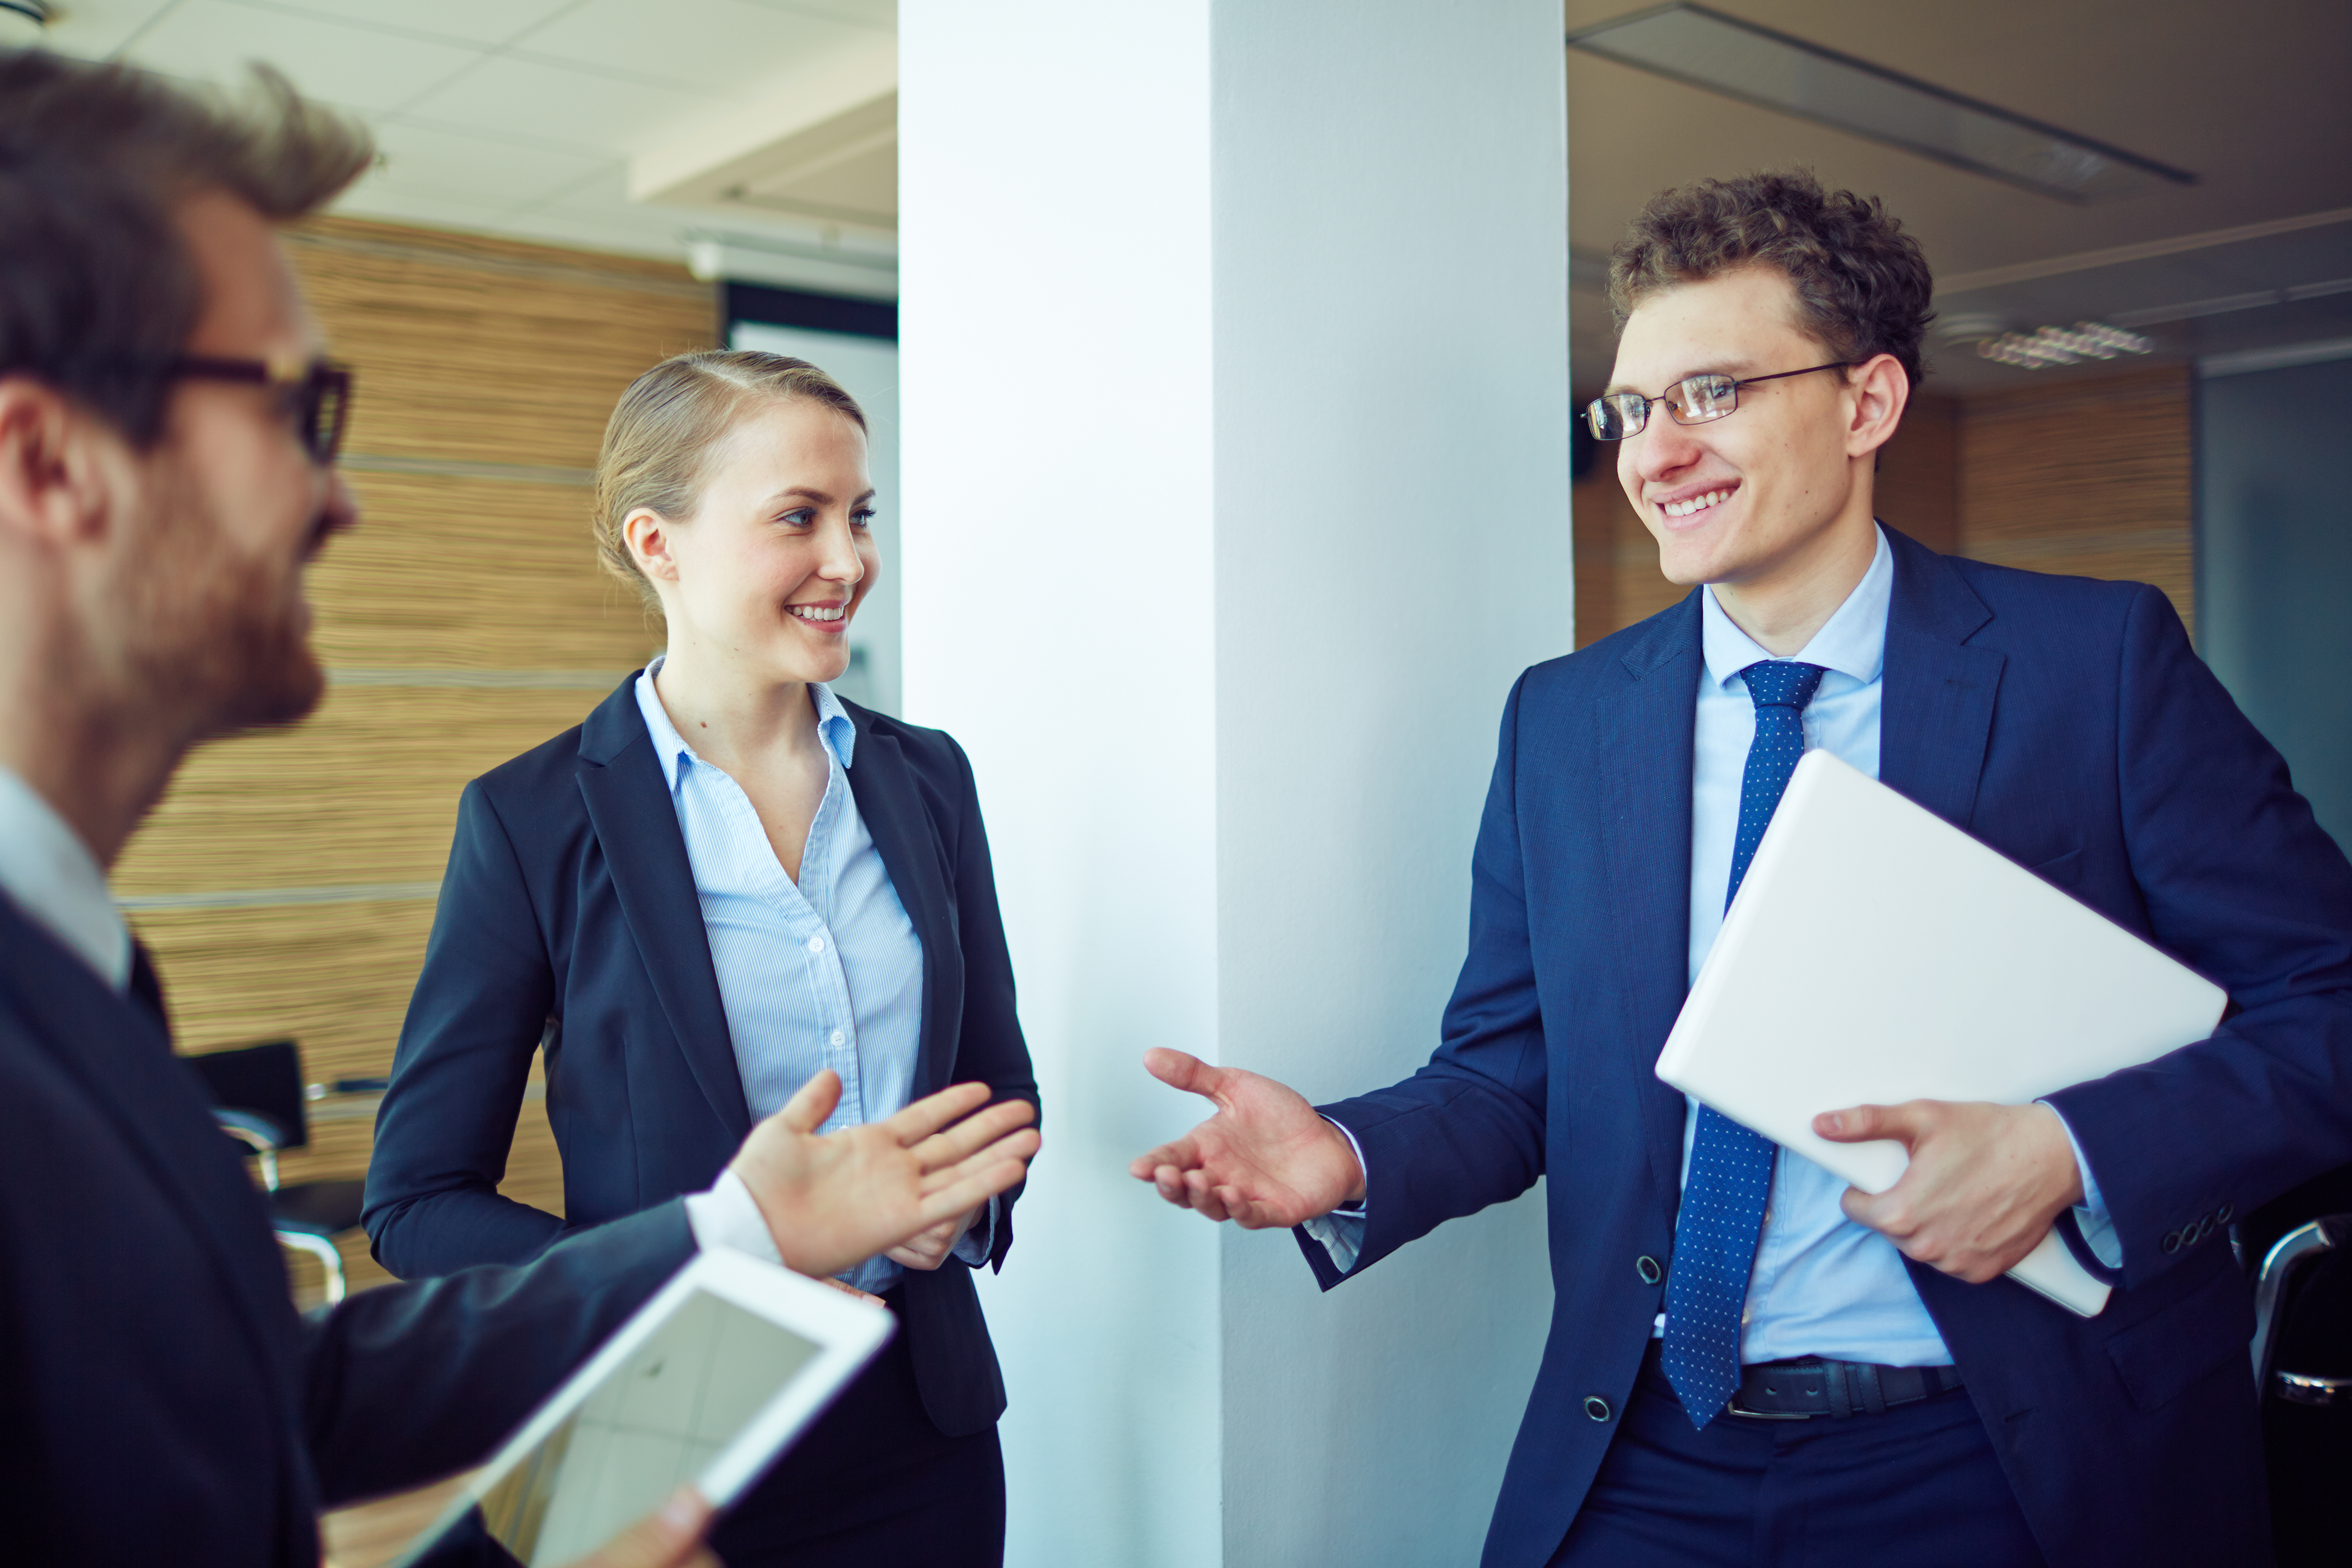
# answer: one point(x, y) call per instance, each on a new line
point(162, 1401)
point(2067, 723)
point(568, 914)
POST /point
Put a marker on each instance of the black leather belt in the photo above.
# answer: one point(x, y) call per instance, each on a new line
point(1796, 1390)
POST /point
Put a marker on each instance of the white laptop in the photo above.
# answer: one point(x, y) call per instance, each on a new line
point(1876, 953)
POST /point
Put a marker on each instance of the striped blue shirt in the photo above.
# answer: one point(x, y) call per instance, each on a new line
point(826, 972)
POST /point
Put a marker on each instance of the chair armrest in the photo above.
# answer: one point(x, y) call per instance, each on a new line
point(2294, 1249)
point(260, 1136)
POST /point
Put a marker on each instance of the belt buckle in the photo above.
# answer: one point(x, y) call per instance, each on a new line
point(1736, 1409)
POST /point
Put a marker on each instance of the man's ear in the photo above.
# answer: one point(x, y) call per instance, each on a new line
point(54, 473)
point(1880, 389)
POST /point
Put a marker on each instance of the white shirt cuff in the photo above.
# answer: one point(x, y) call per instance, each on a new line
point(727, 1215)
point(2091, 1217)
point(978, 1239)
point(1341, 1232)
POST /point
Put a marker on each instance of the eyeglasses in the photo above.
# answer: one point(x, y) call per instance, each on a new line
point(1694, 400)
point(317, 397)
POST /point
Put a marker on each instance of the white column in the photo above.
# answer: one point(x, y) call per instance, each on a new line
point(1236, 466)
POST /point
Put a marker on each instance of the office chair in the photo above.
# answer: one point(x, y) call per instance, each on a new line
point(2302, 1356)
point(258, 1099)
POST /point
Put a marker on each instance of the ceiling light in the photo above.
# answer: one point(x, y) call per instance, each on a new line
point(2062, 346)
point(1740, 59)
point(22, 23)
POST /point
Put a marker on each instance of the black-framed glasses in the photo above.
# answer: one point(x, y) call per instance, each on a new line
point(1693, 400)
point(317, 395)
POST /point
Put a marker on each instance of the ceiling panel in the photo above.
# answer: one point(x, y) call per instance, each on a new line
point(431, 158)
point(2248, 95)
point(529, 99)
point(96, 28)
point(466, 21)
point(720, 49)
point(881, 16)
point(366, 71)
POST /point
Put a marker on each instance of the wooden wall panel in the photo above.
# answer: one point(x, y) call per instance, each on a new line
point(489, 352)
point(364, 792)
point(1917, 488)
point(1617, 557)
point(285, 884)
point(2088, 478)
point(474, 573)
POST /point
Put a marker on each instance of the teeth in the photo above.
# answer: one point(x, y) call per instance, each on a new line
point(1697, 503)
point(818, 612)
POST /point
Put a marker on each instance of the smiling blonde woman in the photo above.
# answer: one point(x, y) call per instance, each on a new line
point(724, 883)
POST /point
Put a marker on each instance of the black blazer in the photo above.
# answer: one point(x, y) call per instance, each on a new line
point(568, 914)
point(160, 1400)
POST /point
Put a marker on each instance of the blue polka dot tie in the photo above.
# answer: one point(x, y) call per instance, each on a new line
point(1730, 1167)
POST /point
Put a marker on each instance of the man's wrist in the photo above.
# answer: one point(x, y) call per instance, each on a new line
point(1353, 1202)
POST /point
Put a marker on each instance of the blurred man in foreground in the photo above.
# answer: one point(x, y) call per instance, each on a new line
point(167, 437)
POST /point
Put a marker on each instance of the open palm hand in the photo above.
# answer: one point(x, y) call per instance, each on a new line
point(832, 1201)
point(1264, 1159)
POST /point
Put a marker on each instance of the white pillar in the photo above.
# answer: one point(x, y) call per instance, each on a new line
point(1235, 471)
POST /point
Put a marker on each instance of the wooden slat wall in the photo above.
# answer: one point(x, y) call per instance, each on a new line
point(2087, 478)
point(285, 884)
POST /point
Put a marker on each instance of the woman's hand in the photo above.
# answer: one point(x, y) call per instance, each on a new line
point(833, 1202)
point(932, 1247)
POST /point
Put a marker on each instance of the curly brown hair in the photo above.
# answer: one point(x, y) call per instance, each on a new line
point(1863, 285)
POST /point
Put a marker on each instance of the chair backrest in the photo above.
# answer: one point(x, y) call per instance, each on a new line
point(265, 1078)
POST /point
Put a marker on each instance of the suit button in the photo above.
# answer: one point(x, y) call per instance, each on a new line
point(2223, 1214)
point(2204, 1230)
point(1596, 1407)
point(2171, 1241)
point(1647, 1267)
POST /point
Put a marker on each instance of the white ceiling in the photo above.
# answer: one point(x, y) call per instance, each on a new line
point(518, 117)
point(535, 118)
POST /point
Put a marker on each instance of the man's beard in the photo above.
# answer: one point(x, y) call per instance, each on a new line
point(216, 642)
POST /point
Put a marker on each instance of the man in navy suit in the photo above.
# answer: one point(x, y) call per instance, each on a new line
point(1748, 1362)
point(168, 434)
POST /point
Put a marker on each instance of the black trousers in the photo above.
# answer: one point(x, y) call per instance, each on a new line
point(1919, 1487)
point(873, 1484)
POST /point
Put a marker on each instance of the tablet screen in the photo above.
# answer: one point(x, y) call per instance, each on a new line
point(657, 1421)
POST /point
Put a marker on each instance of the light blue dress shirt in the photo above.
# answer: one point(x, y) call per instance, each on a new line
point(1822, 1285)
point(827, 972)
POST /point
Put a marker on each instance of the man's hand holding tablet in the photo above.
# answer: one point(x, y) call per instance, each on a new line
point(835, 1200)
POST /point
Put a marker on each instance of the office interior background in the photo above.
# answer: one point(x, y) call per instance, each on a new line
point(1221, 356)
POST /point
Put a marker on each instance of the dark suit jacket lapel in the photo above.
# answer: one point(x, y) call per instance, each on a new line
point(1645, 756)
point(119, 1054)
point(636, 826)
point(892, 808)
point(1936, 710)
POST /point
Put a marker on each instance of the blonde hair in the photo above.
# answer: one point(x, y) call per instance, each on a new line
point(657, 445)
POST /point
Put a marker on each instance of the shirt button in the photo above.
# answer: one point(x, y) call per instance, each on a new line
point(839, 1038)
point(816, 944)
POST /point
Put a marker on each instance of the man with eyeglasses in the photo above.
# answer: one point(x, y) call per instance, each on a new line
point(1750, 1363)
point(168, 433)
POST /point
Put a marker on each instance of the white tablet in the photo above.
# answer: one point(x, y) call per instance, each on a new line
point(709, 1382)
